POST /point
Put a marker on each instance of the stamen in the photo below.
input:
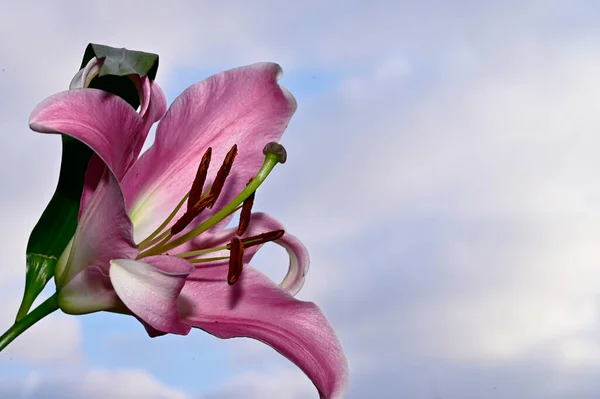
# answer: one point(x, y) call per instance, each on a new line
point(222, 174)
point(236, 260)
point(206, 260)
point(202, 204)
point(271, 159)
point(191, 214)
point(150, 240)
point(200, 179)
point(248, 242)
point(246, 213)
point(182, 223)
point(262, 238)
point(199, 252)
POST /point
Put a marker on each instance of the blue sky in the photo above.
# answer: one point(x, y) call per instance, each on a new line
point(442, 171)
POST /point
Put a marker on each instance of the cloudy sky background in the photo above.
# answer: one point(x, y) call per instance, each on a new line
point(443, 172)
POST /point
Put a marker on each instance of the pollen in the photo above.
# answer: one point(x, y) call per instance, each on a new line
point(262, 238)
point(245, 213)
point(236, 260)
point(199, 180)
point(222, 174)
point(192, 212)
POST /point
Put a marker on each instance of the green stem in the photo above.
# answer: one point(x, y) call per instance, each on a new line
point(47, 307)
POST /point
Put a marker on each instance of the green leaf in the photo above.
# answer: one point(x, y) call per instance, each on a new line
point(57, 224)
point(122, 62)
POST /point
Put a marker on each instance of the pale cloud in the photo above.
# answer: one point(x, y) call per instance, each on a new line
point(92, 384)
point(280, 384)
point(464, 229)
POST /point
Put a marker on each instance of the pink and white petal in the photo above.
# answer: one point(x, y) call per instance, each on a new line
point(298, 254)
point(298, 266)
point(102, 121)
point(89, 291)
point(243, 106)
point(154, 102)
point(150, 289)
point(83, 78)
point(152, 108)
point(299, 261)
point(257, 308)
point(93, 174)
point(151, 331)
point(104, 232)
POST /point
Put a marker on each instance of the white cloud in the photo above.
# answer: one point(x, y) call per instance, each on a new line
point(459, 220)
point(92, 384)
point(275, 384)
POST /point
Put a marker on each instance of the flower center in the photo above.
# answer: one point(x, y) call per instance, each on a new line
point(198, 199)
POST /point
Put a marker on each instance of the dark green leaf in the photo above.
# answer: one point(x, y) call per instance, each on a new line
point(122, 62)
point(121, 86)
point(57, 224)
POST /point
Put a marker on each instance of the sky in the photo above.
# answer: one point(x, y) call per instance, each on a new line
point(442, 170)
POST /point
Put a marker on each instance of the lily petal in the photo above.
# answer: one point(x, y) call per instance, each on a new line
point(150, 289)
point(85, 75)
point(255, 307)
point(154, 103)
point(154, 106)
point(243, 106)
point(89, 291)
point(152, 109)
point(104, 232)
point(299, 263)
point(95, 170)
point(259, 223)
point(102, 121)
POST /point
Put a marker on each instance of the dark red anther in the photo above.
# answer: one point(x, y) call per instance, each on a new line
point(262, 238)
point(246, 213)
point(182, 223)
point(190, 214)
point(236, 260)
point(199, 180)
point(222, 174)
point(202, 204)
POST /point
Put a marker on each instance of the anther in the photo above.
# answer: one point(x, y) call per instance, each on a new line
point(277, 149)
point(199, 180)
point(236, 260)
point(222, 174)
point(246, 213)
point(189, 215)
point(261, 238)
point(202, 204)
point(182, 223)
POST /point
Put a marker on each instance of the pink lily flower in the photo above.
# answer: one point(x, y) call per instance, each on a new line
point(139, 250)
